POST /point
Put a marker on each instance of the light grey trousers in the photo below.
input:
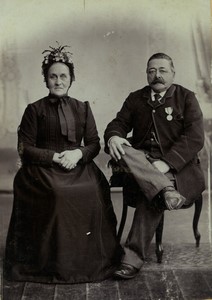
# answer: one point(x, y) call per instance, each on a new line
point(146, 218)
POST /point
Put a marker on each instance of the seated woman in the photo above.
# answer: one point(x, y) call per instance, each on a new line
point(63, 227)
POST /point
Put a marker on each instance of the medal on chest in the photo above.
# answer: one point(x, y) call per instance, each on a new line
point(169, 111)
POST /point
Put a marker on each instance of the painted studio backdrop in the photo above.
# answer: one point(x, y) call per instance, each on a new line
point(111, 42)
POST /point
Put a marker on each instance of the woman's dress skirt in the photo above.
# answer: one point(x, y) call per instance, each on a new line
point(62, 228)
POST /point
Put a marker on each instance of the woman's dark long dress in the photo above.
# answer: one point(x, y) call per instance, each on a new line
point(63, 227)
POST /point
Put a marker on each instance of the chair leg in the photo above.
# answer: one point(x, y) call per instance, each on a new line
point(123, 220)
point(158, 238)
point(197, 212)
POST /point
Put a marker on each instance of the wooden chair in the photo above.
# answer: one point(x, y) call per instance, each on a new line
point(118, 179)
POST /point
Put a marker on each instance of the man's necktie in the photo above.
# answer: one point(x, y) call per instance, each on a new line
point(67, 120)
point(157, 97)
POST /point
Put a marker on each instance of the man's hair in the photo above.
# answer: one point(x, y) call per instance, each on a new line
point(164, 56)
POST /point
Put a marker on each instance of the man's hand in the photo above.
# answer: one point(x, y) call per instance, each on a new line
point(70, 158)
point(115, 147)
point(161, 165)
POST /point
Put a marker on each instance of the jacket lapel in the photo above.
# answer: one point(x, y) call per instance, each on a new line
point(169, 93)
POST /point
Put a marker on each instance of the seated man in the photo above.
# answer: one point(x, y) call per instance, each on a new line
point(167, 134)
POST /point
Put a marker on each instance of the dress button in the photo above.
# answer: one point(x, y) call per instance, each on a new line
point(152, 140)
point(153, 111)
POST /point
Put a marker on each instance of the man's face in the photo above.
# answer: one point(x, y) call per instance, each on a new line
point(160, 75)
point(59, 79)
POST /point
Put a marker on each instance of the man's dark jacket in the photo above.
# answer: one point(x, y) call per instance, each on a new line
point(180, 138)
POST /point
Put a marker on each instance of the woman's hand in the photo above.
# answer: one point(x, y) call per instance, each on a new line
point(56, 158)
point(70, 158)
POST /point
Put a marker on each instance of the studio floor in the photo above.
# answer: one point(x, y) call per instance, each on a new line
point(185, 272)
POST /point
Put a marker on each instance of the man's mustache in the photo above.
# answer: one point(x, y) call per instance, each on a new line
point(157, 81)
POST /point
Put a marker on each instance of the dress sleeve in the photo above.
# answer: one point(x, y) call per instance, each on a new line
point(91, 139)
point(27, 136)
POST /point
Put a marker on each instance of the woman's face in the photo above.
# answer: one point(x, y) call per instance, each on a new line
point(58, 79)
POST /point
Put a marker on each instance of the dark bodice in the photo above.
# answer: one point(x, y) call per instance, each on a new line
point(49, 132)
point(40, 132)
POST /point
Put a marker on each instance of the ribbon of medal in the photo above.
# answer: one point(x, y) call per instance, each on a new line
point(169, 111)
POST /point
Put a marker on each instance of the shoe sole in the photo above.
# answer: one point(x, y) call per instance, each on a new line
point(122, 276)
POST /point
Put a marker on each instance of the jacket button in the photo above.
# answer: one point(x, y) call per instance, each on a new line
point(153, 111)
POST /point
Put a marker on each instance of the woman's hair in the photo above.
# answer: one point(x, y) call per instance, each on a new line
point(57, 55)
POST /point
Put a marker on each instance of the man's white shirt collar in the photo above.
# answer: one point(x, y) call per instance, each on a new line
point(153, 94)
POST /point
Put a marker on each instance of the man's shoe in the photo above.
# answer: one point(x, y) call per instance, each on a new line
point(172, 199)
point(126, 271)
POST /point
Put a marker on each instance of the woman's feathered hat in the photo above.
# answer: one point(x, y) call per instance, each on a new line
point(57, 54)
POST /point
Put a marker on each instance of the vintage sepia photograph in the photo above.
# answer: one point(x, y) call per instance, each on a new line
point(105, 142)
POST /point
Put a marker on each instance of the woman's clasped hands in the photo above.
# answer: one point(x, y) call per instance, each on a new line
point(68, 159)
